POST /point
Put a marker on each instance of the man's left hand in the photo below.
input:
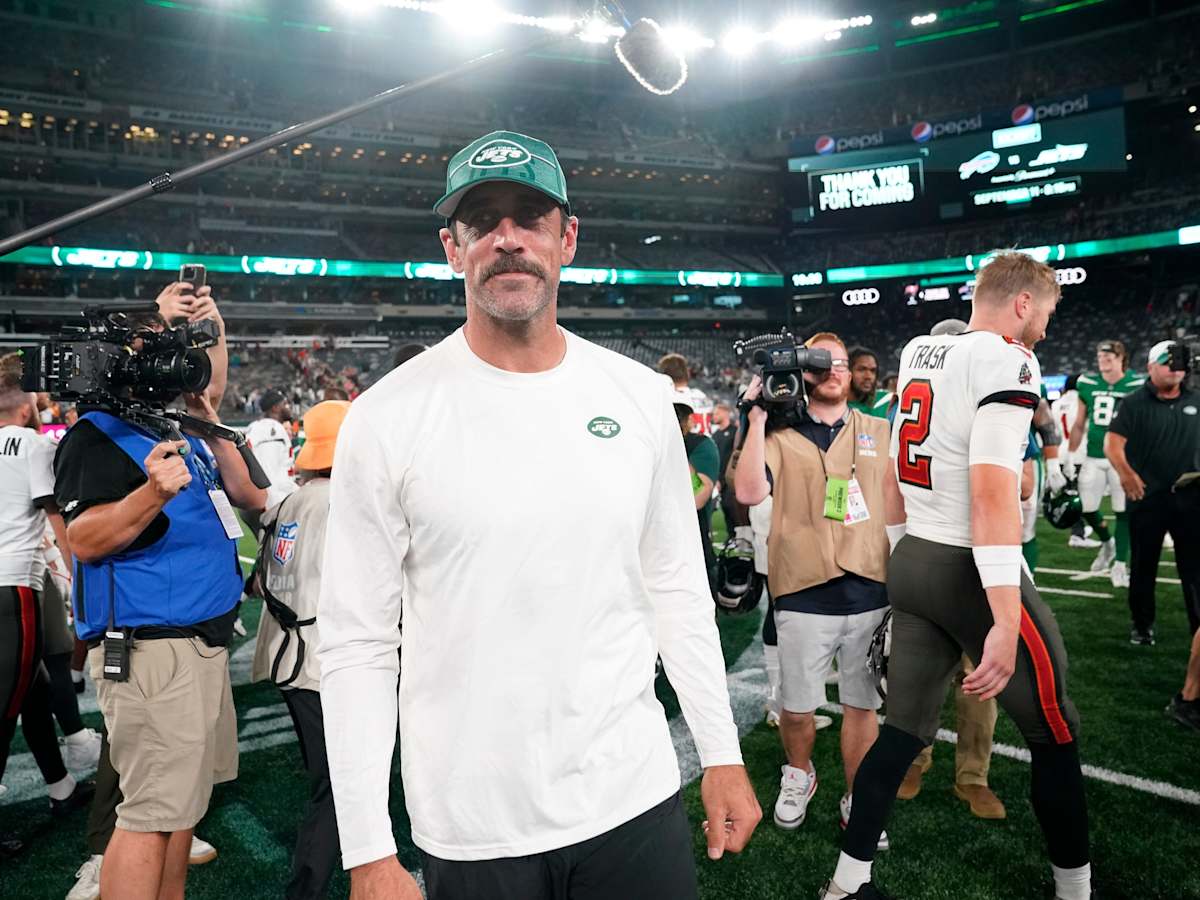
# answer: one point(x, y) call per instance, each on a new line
point(732, 809)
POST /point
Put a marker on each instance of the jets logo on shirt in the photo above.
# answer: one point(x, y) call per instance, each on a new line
point(604, 427)
point(1025, 376)
point(285, 543)
point(499, 154)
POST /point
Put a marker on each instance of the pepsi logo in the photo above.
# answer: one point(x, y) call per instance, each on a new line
point(922, 132)
point(825, 145)
point(1023, 114)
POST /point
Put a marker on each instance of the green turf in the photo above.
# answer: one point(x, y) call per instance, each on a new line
point(1144, 846)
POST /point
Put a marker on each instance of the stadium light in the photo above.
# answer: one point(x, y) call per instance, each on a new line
point(1192, 108)
point(793, 32)
point(833, 36)
point(685, 39)
point(739, 41)
point(926, 19)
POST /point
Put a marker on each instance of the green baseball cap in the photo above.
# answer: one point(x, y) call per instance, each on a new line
point(503, 156)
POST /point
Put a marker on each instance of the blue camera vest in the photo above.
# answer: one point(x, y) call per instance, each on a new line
point(189, 575)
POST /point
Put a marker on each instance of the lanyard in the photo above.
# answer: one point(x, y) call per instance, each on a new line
point(853, 450)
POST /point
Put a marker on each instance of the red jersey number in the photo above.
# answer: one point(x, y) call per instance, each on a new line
point(916, 401)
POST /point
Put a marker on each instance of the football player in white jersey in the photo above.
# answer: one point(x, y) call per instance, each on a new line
point(955, 579)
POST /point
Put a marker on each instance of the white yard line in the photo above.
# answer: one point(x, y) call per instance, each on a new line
point(1049, 590)
point(1083, 575)
point(1122, 779)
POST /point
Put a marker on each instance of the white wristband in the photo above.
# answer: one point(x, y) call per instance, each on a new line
point(894, 533)
point(999, 566)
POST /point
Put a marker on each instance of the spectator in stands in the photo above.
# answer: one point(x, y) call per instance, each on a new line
point(826, 469)
point(289, 579)
point(271, 442)
point(1154, 439)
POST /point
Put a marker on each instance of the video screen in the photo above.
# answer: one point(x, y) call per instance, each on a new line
point(1007, 167)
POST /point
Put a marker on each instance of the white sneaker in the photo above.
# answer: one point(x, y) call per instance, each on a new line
point(1082, 543)
point(1104, 559)
point(202, 852)
point(87, 884)
point(820, 721)
point(238, 628)
point(844, 805)
point(772, 716)
point(796, 788)
point(1119, 574)
point(82, 750)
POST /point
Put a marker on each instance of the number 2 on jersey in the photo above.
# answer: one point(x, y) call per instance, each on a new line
point(916, 401)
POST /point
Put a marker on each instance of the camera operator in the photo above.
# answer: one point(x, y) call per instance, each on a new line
point(1154, 438)
point(826, 468)
point(152, 526)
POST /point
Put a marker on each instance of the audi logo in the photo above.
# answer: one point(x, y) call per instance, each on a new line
point(860, 297)
point(1075, 275)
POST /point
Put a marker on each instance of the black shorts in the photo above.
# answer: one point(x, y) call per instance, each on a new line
point(940, 611)
point(648, 858)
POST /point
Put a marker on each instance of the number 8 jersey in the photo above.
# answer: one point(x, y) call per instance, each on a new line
point(944, 382)
point(1101, 399)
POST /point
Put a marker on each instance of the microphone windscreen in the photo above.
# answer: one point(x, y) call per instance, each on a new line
point(644, 51)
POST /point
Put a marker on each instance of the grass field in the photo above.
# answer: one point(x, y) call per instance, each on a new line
point(1143, 789)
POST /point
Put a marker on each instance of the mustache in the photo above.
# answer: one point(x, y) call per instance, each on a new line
point(507, 264)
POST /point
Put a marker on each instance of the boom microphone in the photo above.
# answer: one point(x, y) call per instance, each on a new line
point(642, 50)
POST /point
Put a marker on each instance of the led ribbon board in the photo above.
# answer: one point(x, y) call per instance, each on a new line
point(288, 267)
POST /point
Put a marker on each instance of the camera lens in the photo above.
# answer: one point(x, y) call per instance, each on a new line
point(165, 373)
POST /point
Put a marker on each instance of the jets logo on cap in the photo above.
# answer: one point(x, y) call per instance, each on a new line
point(498, 155)
point(604, 427)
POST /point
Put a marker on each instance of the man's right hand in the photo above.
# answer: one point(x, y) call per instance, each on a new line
point(166, 471)
point(384, 879)
point(1132, 484)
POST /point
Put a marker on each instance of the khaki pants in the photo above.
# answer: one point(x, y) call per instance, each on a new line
point(172, 731)
point(976, 725)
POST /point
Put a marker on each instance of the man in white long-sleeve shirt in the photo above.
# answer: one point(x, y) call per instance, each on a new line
point(523, 495)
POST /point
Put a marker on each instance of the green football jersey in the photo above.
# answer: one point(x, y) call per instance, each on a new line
point(1100, 399)
point(876, 406)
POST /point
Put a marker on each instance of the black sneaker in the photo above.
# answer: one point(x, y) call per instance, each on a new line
point(1141, 638)
point(1185, 712)
point(80, 797)
point(867, 892)
point(10, 846)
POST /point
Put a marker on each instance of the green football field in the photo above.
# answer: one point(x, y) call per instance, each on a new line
point(1143, 782)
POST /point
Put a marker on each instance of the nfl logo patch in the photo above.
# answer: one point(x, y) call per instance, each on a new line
point(866, 442)
point(1025, 375)
point(285, 543)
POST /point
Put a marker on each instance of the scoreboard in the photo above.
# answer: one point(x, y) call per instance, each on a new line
point(960, 176)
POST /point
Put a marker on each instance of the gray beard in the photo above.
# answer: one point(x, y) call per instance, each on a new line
point(495, 308)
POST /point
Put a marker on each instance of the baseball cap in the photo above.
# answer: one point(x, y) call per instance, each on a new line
point(1160, 351)
point(321, 426)
point(503, 156)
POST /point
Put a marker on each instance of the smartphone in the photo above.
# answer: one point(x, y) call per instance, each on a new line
point(193, 274)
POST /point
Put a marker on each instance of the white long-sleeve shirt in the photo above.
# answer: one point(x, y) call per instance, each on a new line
point(543, 529)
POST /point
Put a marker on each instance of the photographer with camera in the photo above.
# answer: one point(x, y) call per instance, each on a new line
point(1154, 439)
point(152, 524)
point(826, 467)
